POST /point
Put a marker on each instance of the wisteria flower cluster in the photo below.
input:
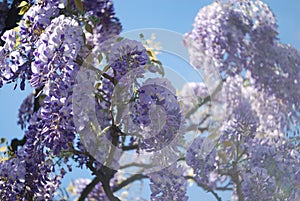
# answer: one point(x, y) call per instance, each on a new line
point(44, 50)
point(256, 139)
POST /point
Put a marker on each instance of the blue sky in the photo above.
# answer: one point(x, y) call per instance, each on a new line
point(174, 15)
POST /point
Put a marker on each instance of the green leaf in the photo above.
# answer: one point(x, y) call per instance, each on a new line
point(84, 38)
point(100, 57)
point(222, 155)
point(228, 143)
point(89, 28)
point(2, 140)
point(88, 60)
point(24, 7)
point(119, 39)
point(42, 97)
point(79, 60)
point(157, 62)
point(79, 5)
point(142, 36)
point(97, 86)
point(161, 68)
point(89, 47)
point(246, 83)
point(95, 20)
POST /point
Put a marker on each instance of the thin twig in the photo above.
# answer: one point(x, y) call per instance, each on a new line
point(129, 180)
point(136, 165)
point(205, 100)
point(205, 187)
point(130, 147)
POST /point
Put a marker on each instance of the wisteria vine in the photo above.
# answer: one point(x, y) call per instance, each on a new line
point(92, 103)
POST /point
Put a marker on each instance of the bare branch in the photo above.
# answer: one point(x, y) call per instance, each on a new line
point(88, 189)
point(136, 165)
point(130, 147)
point(205, 187)
point(129, 180)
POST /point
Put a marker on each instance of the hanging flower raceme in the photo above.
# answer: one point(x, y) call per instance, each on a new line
point(156, 112)
point(56, 50)
point(43, 49)
point(128, 55)
point(237, 36)
point(168, 184)
point(17, 52)
point(226, 34)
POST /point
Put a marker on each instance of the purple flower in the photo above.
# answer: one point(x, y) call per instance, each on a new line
point(225, 35)
point(168, 184)
point(201, 156)
point(258, 185)
point(107, 24)
point(26, 111)
point(56, 50)
point(127, 55)
point(156, 112)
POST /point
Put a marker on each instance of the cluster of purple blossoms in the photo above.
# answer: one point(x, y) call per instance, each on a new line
point(56, 111)
point(9, 73)
point(44, 49)
point(156, 112)
point(56, 51)
point(256, 168)
point(250, 149)
point(127, 55)
point(235, 36)
point(17, 52)
point(31, 172)
point(168, 184)
point(26, 111)
point(127, 61)
point(106, 26)
point(202, 159)
point(54, 70)
point(261, 87)
point(272, 168)
point(227, 32)
point(14, 181)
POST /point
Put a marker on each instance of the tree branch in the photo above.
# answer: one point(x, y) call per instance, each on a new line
point(129, 180)
point(104, 174)
point(205, 187)
point(205, 100)
point(136, 165)
point(130, 147)
point(88, 189)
